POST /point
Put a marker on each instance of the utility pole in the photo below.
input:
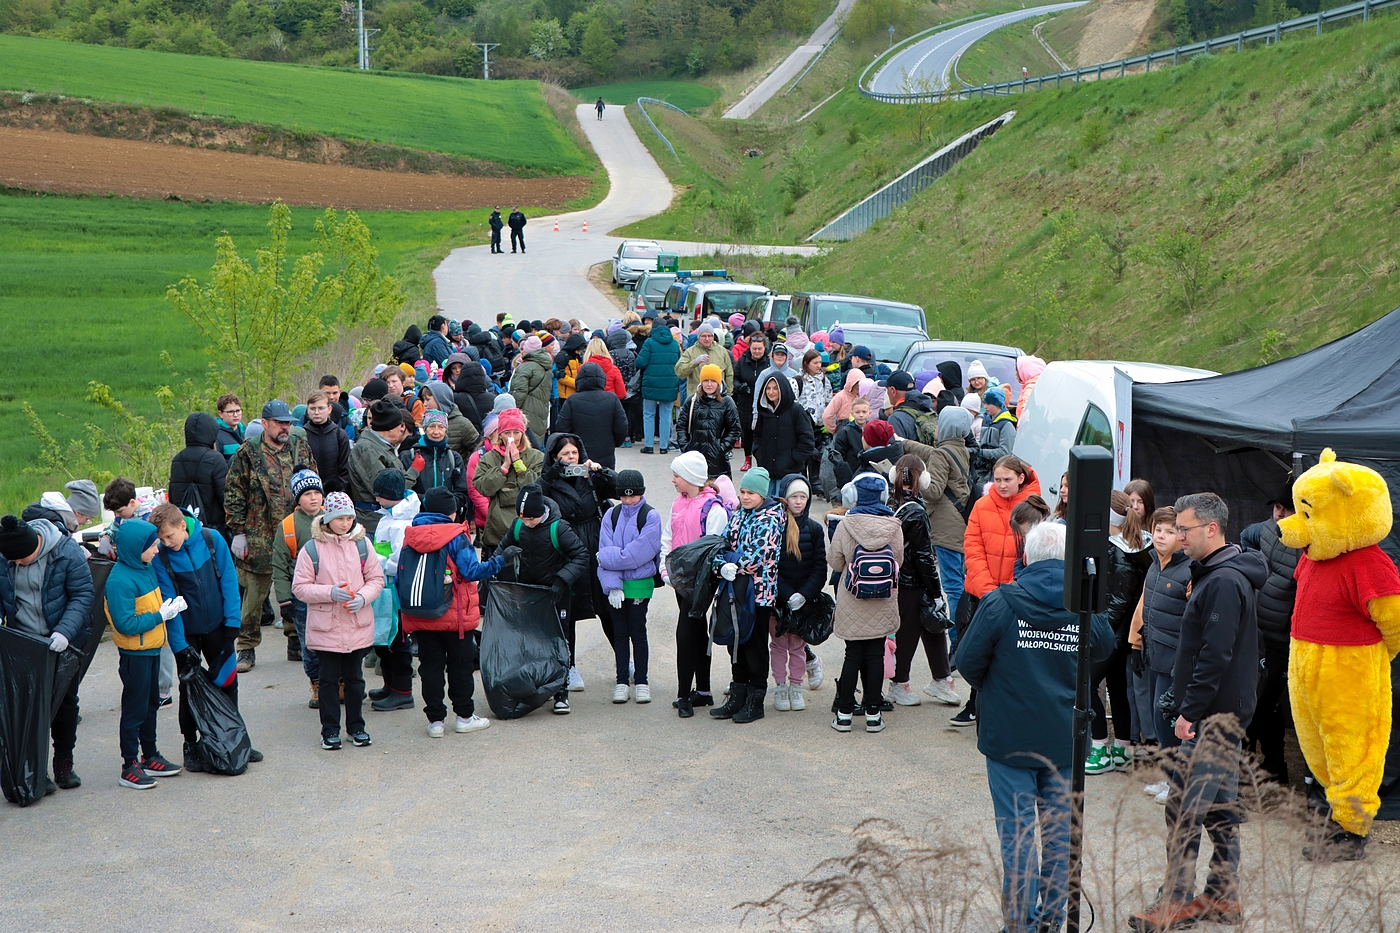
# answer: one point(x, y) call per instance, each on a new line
point(486, 48)
point(362, 38)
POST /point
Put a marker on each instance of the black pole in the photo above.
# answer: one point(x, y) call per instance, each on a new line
point(1080, 747)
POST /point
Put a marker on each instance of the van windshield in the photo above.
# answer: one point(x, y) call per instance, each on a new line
point(850, 311)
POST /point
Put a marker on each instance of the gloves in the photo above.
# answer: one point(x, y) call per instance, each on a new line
point(240, 546)
point(186, 660)
point(512, 553)
point(105, 548)
point(796, 601)
point(1135, 661)
point(419, 463)
point(58, 641)
point(729, 571)
point(340, 594)
point(560, 588)
point(519, 465)
point(356, 603)
point(615, 598)
point(168, 610)
point(940, 606)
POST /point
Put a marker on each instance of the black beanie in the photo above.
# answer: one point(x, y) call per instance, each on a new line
point(530, 502)
point(384, 415)
point(374, 390)
point(630, 483)
point(17, 539)
point(390, 484)
point(440, 499)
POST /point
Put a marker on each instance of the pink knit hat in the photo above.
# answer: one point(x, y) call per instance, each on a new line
point(511, 420)
point(736, 319)
point(531, 344)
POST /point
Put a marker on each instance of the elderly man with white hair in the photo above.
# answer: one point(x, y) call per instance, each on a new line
point(1020, 652)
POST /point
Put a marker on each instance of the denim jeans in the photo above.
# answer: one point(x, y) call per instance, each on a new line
point(310, 663)
point(650, 409)
point(1205, 778)
point(1033, 890)
point(950, 573)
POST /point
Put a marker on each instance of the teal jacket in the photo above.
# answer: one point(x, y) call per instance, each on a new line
point(133, 593)
point(657, 361)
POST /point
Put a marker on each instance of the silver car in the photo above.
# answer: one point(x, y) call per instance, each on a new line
point(633, 257)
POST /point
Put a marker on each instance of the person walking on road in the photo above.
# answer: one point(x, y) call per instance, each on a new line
point(495, 223)
point(517, 229)
point(599, 107)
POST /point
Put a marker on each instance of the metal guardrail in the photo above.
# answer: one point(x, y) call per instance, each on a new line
point(907, 40)
point(859, 218)
point(652, 100)
point(829, 43)
point(1269, 34)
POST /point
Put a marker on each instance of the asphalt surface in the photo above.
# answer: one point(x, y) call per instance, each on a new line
point(935, 56)
point(790, 67)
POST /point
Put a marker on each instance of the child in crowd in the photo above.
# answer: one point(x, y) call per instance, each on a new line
point(801, 575)
point(119, 498)
point(338, 578)
point(308, 495)
point(397, 507)
point(138, 616)
point(629, 556)
point(919, 585)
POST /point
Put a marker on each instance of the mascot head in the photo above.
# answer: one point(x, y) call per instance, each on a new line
point(1339, 507)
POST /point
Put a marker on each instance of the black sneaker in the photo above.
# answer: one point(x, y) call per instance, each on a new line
point(330, 743)
point(684, 708)
point(361, 739)
point(394, 701)
point(647, 450)
point(194, 759)
point(156, 766)
point(164, 702)
point(133, 777)
point(50, 788)
point(64, 775)
point(561, 704)
point(254, 755)
point(378, 693)
point(965, 717)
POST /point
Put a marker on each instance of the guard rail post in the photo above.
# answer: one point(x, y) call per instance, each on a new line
point(1319, 22)
point(1147, 65)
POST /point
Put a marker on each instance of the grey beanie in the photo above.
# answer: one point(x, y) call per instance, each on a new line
point(503, 401)
point(83, 498)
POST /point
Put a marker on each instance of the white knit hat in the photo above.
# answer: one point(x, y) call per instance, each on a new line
point(972, 402)
point(975, 369)
point(691, 467)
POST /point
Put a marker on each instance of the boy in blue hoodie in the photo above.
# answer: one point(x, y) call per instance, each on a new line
point(195, 565)
point(138, 615)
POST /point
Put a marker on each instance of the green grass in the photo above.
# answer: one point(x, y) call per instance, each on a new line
point(82, 286)
point(686, 95)
point(1304, 135)
point(502, 121)
point(1001, 56)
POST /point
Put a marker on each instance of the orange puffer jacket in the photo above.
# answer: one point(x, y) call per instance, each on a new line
point(989, 544)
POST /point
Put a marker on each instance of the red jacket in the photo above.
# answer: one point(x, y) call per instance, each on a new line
point(989, 544)
point(464, 615)
point(615, 383)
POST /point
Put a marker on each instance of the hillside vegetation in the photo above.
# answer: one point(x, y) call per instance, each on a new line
point(1226, 212)
point(506, 122)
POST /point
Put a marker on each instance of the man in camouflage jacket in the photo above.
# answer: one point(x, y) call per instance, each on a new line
point(257, 496)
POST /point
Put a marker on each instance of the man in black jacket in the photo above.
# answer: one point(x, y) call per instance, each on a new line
point(517, 229)
point(1214, 682)
point(198, 472)
point(496, 224)
point(1275, 623)
point(329, 443)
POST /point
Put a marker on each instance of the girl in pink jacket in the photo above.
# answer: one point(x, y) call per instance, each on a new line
point(338, 577)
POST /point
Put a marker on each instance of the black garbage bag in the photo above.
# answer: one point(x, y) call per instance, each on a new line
point(692, 574)
point(26, 697)
point(223, 736)
point(524, 654)
point(811, 623)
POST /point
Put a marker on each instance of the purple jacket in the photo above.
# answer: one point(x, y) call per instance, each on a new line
point(625, 553)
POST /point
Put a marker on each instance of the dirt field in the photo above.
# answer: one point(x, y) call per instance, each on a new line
point(73, 164)
point(1114, 30)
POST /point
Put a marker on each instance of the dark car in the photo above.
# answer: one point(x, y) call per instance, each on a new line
point(822, 310)
point(650, 290)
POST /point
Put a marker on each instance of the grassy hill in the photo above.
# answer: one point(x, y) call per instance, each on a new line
point(502, 121)
point(1232, 210)
point(686, 95)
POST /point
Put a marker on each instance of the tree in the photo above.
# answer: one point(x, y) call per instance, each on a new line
point(547, 39)
point(599, 50)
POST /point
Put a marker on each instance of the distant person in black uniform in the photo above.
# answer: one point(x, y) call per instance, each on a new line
point(496, 224)
point(599, 107)
point(517, 228)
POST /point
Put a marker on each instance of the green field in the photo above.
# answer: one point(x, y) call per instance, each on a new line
point(501, 121)
point(82, 286)
point(1001, 55)
point(684, 94)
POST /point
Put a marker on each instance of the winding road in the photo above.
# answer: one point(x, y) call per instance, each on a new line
point(934, 57)
point(778, 78)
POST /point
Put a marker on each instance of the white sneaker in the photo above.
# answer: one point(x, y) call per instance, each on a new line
point(903, 694)
point(642, 693)
point(575, 680)
point(795, 697)
point(943, 692)
point(434, 730)
point(1152, 790)
point(814, 673)
point(474, 724)
point(1162, 797)
point(781, 703)
point(622, 693)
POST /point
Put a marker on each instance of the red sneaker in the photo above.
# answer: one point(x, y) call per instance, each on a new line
point(1165, 915)
point(1217, 909)
point(748, 464)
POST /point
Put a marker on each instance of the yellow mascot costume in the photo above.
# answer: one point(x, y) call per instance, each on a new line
point(1346, 629)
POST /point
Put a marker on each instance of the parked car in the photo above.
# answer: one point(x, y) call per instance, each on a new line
point(769, 309)
point(703, 298)
point(650, 291)
point(889, 344)
point(685, 279)
point(821, 311)
point(633, 257)
point(1076, 402)
point(999, 360)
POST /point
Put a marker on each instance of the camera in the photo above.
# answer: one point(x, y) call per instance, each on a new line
point(575, 470)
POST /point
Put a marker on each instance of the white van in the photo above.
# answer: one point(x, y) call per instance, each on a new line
point(1086, 402)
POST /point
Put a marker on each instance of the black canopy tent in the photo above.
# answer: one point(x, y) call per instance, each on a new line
point(1237, 434)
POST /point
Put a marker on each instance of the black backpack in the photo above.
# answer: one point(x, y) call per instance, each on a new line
point(192, 502)
point(424, 583)
point(642, 514)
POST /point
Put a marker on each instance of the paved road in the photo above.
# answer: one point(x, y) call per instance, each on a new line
point(934, 56)
point(550, 279)
point(790, 67)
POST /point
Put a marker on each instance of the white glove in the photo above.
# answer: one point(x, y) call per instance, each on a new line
point(729, 571)
point(615, 598)
point(796, 601)
point(357, 603)
point(240, 546)
point(940, 605)
point(340, 594)
point(58, 641)
point(168, 610)
point(179, 604)
point(104, 547)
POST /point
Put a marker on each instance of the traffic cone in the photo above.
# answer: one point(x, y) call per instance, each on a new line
point(556, 225)
point(585, 226)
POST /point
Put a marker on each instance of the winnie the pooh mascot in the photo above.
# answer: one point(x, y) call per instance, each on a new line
point(1346, 629)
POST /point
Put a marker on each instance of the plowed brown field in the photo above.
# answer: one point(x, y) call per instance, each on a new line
point(75, 164)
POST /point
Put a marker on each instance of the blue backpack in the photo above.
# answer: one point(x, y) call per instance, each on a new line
point(872, 574)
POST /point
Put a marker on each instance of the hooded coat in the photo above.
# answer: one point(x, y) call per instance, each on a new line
point(657, 361)
point(857, 619)
point(1127, 568)
point(206, 579)
point(623, 356)
point(946, 463)
point(200, 465)
point(330, 445)
point(783, 440)
point(566, 364)
point(541, 563)
point(1280, 590)
point(435, 347)
point(746, 373)
point(613, 376)
point(581, 501)
point(470, 389)
point(624, 552)
point(989, 544)
point(710, 425)
point(1028, 370)
point(951, 374)
point(432, 531)
point(442, 466)
point(1021, 656)
point(595, 415)
point(132, 594)
point(531, 386)
point(502, 489)
point(490, 352)
point(462, 435)
point(1217, 657)
point(406, 350)
point(330, 626)
point(804, 572)
point(688, 368)
point(59, 582)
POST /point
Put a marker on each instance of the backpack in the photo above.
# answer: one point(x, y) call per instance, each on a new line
point(872, 574)
point(705, 508)
point(424, 583)
point(642, 514)
point(310, 549)
point(927, 424)
point(964, 508)
point(192, 502)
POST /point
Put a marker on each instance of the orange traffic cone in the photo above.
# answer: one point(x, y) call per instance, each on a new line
point(585, 226)
point(556, 225)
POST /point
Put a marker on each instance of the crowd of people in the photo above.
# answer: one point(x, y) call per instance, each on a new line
point(487, 451)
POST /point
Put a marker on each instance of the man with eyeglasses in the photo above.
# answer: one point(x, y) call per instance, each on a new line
point(230, 425)
point(1214, 682)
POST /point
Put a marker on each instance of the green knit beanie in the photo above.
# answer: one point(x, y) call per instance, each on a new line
point(756, 480)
